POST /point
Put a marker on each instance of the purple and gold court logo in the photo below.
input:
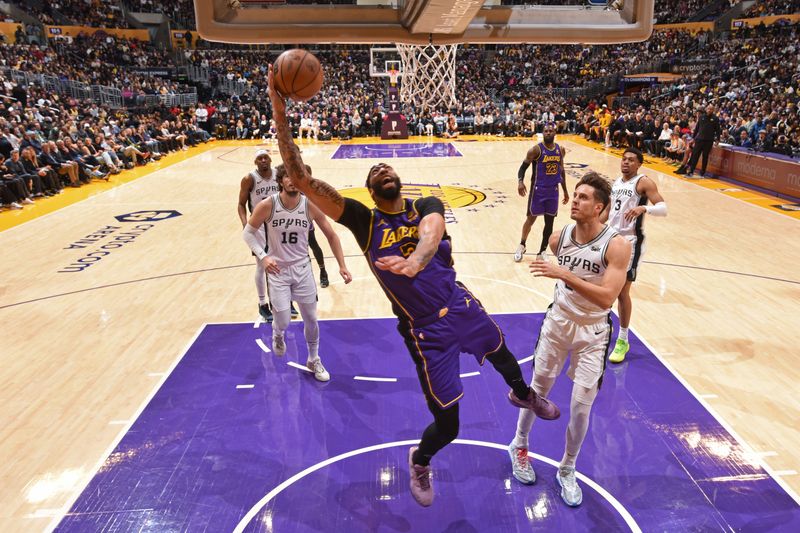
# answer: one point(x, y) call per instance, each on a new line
point(147, 216)
point(452, 196)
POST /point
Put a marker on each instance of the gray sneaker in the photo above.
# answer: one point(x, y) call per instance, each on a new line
point(521, 465)
point(279, 345)
point(570, 491)
point(320, 374)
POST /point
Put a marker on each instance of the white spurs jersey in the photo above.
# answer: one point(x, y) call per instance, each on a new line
point(287, 232)
point(623, 198)
point(262, 188)
point(588, 262)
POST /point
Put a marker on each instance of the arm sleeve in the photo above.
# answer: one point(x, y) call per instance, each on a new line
point(357, 218)
point(657, 210)
point(429, 204)
point(250, 236)
point(521, 172)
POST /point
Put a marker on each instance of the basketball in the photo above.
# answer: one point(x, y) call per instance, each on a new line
point(297, 74)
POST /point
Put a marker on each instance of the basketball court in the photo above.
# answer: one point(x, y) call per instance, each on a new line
point(140, 393)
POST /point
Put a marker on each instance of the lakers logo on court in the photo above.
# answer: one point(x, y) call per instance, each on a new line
point(453, 197)
point(147, 216)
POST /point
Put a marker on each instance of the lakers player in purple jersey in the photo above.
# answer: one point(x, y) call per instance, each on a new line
point(548, 173)
point(410, 254)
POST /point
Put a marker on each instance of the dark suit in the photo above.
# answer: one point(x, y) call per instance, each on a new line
point(705, 133)
point(19, 170)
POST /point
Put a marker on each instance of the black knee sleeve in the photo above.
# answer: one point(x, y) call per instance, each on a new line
point(439, 434)
point(506, 364)
point(547, 231)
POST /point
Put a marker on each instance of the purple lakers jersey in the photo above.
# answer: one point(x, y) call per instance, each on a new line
point(549, 168)
point(398, 234)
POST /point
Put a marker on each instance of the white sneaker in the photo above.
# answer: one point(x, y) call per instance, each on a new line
point(320, 374)
point(519, 253)
point(521, 465)
point(15, 205)
point(279, 345)
point(27, 201)
point(570, 491)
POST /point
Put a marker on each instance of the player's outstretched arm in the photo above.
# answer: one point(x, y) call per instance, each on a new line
point(333, 240)
point(322, 194)
point(618, 255)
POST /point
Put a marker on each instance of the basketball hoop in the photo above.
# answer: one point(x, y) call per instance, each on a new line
point(429, 74)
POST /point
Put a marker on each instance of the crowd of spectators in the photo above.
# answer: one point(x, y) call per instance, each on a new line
point(98, 60)
point(48, 142)
point(754, 95)
point(502, 91)
point(96, 13)
point(180, 11)
point(764, 8)
point(42, 11)
point(510, 90)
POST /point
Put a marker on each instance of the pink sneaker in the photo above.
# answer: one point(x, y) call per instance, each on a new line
point(421, 482)
point(543, 407)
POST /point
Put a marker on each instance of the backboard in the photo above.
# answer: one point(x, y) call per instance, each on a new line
point(424, 22)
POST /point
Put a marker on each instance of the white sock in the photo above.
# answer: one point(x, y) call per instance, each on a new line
point(580, 406)
point(623, 334)
point(310, 328)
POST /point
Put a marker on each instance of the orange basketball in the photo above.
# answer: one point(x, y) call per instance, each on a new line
point(297, 74)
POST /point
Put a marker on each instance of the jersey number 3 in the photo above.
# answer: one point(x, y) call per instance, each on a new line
point(289, 238)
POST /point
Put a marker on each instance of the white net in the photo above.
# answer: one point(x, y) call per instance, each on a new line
point(429, 74)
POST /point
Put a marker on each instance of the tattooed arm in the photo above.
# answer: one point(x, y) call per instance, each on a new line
point(431, 232)
point(323, 195)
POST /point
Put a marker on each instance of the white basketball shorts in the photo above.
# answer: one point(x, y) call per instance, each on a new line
point(588, 343)
point(294, 283)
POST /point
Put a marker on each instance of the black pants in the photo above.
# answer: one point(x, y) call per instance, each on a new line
point(6, 196)
point(700, 147)
point(18, 187)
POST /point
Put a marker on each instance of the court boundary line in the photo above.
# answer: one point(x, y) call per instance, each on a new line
point(64, 510)
point(147, 174)
point(213, 269)
point(721, 421)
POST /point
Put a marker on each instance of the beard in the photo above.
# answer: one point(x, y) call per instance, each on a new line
point(549, 139)
point(389, 193)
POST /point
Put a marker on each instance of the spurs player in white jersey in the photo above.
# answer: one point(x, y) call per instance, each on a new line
point(258, 185)
point(629, 196)
point(288, 216)
point(592, 260)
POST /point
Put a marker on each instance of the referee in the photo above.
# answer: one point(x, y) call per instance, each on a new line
point(706, 134)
